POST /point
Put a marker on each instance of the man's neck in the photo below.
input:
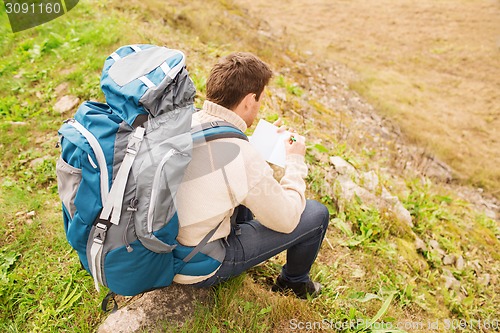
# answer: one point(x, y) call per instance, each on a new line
point(223, 113)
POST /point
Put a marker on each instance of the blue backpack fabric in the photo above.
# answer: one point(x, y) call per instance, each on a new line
point(120, 165)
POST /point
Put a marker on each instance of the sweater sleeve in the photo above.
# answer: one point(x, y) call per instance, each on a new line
point(279, 205)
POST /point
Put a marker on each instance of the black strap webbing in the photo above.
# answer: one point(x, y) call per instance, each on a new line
point(109, 297)
point(201, 244)
point(207, 237)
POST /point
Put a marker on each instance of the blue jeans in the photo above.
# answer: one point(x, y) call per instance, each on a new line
point(255, 244)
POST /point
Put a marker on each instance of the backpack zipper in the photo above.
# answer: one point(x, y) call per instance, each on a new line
point(131, 208)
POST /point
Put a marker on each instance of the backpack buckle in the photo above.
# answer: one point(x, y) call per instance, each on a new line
point(135, 141)
point(214, 124)
point(100, 233)
point(131, 151)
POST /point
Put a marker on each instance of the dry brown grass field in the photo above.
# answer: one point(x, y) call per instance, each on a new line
point(431, 66)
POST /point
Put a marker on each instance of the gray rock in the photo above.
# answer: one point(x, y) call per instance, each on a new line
point(37, 161)
point(460, 263)
point(437, 248)
point(281, 95)
point(449, 259)
point(342, 166)
point(420, 244)
point(476, 266)
point(350, 189)
point(484, 279)
point(174, 304)
point(432, 167)
point(370, 180)
point(66, 103)
point(450, 282)
point(60, 89)
point(400, 212)
point(434, 244)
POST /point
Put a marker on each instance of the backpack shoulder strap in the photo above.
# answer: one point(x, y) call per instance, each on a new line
point(208, 132)
point(216, 130)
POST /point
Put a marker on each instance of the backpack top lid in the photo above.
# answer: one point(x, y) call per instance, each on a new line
point(146, 79)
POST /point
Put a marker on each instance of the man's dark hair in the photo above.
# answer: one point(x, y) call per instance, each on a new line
point(236, 76)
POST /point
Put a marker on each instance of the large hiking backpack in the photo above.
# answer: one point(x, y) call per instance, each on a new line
point(120, 166)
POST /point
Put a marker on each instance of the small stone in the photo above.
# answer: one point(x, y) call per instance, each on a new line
point(449, 259)
point(460, 263)
point(450, 282)
point(437, 249)
point(420, 244)
point(66, 103)
point(402, 214)
point(484, 279)
point(350, 189)
point(434, 244)
point(31, 214)
point(358, 273)
point(342, 166)
point(370, 180)
point(281, 95)
point(476, 265)
point(62, 88)
point(491, 214)
point(37, 161)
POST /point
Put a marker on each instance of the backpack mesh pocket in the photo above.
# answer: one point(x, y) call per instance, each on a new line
point(68, 181)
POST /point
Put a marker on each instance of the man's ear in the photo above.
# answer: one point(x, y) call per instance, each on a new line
point(248, 100)
point(244, 105)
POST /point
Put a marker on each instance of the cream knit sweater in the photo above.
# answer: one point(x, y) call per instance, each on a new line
point(203, 198)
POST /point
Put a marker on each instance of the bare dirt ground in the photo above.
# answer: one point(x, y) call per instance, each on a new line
point(431, 66)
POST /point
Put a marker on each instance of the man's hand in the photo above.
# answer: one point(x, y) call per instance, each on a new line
point(280, 124)
point(295, 143)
